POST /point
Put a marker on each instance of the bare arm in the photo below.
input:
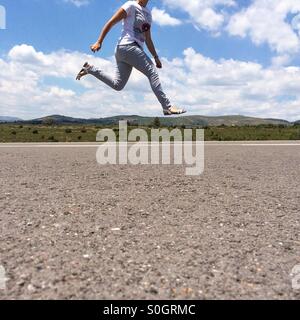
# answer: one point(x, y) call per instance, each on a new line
point(117, 17)
point(151, 48)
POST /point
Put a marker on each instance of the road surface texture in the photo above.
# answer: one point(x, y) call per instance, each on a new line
point(73, 229)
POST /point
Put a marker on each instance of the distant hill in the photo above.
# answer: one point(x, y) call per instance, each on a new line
point(188, 121)
point(9, 119)
point(234, 120)
point(58, 119)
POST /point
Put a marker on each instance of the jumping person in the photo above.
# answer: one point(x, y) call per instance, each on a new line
point(129, 52)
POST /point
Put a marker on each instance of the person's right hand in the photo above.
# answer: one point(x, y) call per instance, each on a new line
point(96, 47)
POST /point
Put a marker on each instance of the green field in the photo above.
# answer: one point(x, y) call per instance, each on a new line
point(252, 133)
point(80, 133)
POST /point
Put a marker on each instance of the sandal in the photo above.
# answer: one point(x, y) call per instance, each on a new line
point(173, 110)
point(84, 71)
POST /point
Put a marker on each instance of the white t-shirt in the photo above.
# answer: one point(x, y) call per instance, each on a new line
point(138, 21)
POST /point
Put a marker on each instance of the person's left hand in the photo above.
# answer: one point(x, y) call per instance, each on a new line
point(158, 63)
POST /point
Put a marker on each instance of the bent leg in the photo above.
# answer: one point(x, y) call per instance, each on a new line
point(123, 71)
point(138, 59)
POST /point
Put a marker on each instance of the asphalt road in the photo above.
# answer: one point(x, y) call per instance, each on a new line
point(71, 228)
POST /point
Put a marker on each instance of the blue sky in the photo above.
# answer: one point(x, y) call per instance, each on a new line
point(225, 40)
point(55, 24)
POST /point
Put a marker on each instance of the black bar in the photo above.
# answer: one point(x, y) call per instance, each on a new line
point(146, 309)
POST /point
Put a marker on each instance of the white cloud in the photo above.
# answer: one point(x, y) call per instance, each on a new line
point(281, 60)
point(78, 3)
point(272, 22)
point(34, 84)
point(205, 14)
point(266, 21)
point(28, 55)
point(162, 18)
point(296, 23)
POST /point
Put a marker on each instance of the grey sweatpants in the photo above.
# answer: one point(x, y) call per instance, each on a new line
point(127, 57)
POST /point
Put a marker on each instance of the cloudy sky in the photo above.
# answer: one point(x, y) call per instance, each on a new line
point(219, 57)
